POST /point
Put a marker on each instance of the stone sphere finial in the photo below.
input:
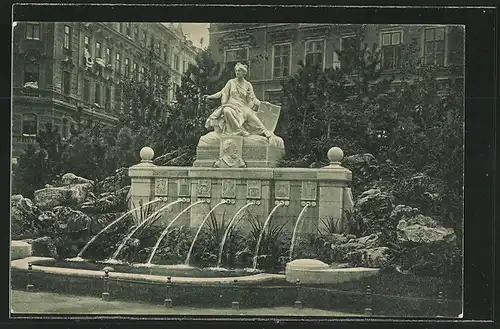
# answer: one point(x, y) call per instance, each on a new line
point(335, 155)
point(147, 154)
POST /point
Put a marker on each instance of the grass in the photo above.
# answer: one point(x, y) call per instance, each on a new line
point(51, 303)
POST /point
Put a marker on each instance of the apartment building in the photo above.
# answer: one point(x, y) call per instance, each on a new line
point(273, 51)
point(60, 69)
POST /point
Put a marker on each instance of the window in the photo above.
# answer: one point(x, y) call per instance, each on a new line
point(33, 31)
point(144, 39)
point(165, 53)
point(66, 83)
point(65, 128)
point(175, 88)
point(127, 29)
point(153, 45)
point(348, 46)
point(98, 50)
point(121, 27)
point(434, 47)
point(86, 44)
point(135, 68)
point(97, 96)
point(127, 67)
point(391, 50)
point(108, 55)
point(29, 124)
point(67, 37)
point(315, 53)
point(281, 60)
point(118, 63)
point(31, 74)
point(107, 100)
point(143, 73)
point(176, 62)
point(86, 90)
point(233, 56)
point(136, 33)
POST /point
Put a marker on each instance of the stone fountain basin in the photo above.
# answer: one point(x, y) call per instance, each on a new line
point(313, 271)
point(38, 266)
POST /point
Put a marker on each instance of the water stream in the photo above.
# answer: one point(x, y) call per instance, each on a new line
point(295, 229)
point(268, 219)
point(165, 231)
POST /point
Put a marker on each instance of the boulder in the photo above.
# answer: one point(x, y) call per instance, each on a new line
point(373, 203)
point(50, 197)
point(423, 230)
point(72, 179)
point(370, 257)
point(402, 211)
point(115, 182)
point(68, 221)
point(108, 202)
point(23, 217)
point(358, 160)
point(44, 247)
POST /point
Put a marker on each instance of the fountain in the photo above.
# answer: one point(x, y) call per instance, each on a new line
point(256, 255)
point(140, 225)
point(164, 233)
point(295, 229)
point(186, 262)
point(236, 165)
point(80, 254)
point(226, 233)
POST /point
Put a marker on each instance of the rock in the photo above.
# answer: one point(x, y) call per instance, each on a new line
point(423, 230)
point(19, 249)
point(401, 211)
point(70, 221)
point(369, 241)
point(47, 198)
point(370, 257)
point(374, 202)
point(358, 160)
point(72, 179)
point(108, 202)
point(108, 268)
point(24, 215)
point(115, 182)
point(44, 247)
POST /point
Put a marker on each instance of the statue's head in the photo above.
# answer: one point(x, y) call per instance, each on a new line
point(240, 69)
point(229, 148)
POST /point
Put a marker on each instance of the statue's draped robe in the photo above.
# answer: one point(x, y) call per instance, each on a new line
point(236, 117)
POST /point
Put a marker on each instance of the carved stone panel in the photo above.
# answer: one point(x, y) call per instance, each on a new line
point(282, 190)
point(204, 188)
point(254, 189)
point(161, 186)
point(309, 191)
point(229, 189)
point(183, 188)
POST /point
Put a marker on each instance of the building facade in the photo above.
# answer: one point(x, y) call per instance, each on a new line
point(61, 69)
point(273, 51)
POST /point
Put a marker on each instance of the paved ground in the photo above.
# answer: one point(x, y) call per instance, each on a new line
point(51, 303)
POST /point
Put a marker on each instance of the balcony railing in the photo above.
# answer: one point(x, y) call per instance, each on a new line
point(24, 139)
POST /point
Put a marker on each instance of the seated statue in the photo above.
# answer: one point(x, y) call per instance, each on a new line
point(237, 116)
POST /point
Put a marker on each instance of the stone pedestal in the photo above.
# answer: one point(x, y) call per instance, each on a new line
point(324, 191)
point(254, 150)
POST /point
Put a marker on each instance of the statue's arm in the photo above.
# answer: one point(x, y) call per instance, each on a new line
point(223, 94)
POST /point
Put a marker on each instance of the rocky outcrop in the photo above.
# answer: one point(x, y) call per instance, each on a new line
point(73, 190)
point(72, 179)
point(108, 202)
point(370, 257)
point(423, 230)
point(374, 202)
point(68, 221)
point(24, 217)
point(115, 182)
point(44, 247)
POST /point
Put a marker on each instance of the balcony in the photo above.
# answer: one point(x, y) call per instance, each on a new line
point(22, 139)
